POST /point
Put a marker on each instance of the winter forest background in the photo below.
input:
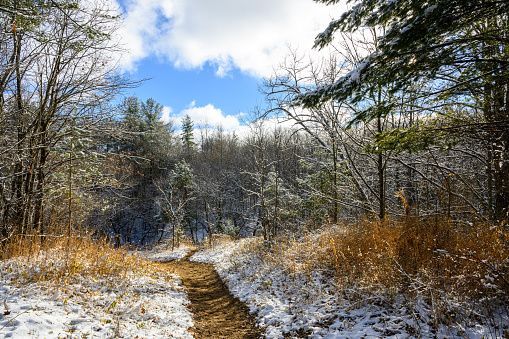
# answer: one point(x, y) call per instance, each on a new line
point(406, 117)
point(403, 128)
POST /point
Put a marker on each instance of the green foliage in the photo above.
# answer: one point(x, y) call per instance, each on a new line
point(412, 139)
point(450, 40)
point(182, 180)
point(228, 228)
point(151, 113)
point(444, 131)
point(28, 15)
point(142, 116)
point(187, 134)
point(319, 189)
point(181, 190)
point(458, 50)
point(149, 136)
point(132, 114)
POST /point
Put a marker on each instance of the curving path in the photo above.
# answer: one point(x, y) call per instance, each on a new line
point(216, 313)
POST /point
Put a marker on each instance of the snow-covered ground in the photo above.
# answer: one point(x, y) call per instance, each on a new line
point(309, 304)
point(146, 303)
point(165, 254)
point(149, 303)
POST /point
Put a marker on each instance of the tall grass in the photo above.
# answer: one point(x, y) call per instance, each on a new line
point(104, 281)
point(459, 270)
point(62, 260)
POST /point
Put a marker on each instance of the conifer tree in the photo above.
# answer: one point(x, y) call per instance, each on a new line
point(459, 48)
point(423, 40)
point(188, 136)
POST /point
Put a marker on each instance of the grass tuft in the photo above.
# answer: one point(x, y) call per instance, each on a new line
point(459, 270)
point(65, 261)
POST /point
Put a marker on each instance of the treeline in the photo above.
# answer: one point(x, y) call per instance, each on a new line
point(279, 178)
point(392, 123)
point(406, 117)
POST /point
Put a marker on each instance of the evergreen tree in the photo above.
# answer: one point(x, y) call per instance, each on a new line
point(142, 154)
point(180, 193)
point(459, 48)
point(424, 39)
point(148, 135)
point(188, 136)
point(151, 111)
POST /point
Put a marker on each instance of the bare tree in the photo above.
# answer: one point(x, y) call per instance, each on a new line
point(56, 69)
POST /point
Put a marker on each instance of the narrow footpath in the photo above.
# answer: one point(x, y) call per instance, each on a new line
point(216, 313)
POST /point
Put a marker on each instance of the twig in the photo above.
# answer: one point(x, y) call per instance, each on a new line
point(9, 321)
point(472, 258)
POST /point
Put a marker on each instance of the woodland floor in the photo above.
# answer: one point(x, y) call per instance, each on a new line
point(216, 313)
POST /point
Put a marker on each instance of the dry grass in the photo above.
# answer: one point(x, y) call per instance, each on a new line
point(447, 265)
point(63, 261)
point(218, 240)
point(113, 288)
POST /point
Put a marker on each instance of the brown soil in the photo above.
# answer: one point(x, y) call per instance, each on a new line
point(216, 313)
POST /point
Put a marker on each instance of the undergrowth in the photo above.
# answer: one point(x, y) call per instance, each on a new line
point(113, 285)
point(64, 261)
point(456, 273)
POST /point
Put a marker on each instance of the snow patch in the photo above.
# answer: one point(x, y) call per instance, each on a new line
point(163, 254)
point(137, 305)
point(430, 9)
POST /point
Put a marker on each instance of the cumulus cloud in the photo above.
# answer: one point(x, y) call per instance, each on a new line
point(166, 114)
point(209, 118)
point(250, 35)
point(203, 117)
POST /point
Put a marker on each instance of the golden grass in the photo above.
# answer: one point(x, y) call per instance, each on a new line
point(66, 260)
point(91, 274)
point(411, 256)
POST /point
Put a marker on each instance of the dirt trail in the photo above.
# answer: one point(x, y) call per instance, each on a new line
point(217, 314)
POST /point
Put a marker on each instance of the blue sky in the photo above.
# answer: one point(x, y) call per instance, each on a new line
point(179, 89)
point(206, 58)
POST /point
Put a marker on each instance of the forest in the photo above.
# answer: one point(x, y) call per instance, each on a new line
point(386, 161)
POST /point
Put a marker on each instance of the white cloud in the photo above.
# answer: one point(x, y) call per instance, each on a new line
point(250, 35)
point(207, 116)
point(166, 114)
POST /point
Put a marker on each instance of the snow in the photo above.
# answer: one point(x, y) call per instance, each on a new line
point(164, 253)
point(406, 28)
point(430, 9)
point(354, 76)
point(136, 304)
point(309, 304)
point(151, 303)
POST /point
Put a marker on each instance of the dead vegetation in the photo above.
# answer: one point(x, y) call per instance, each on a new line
point(456, 273)
point(113, 288)
point(63, 261)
